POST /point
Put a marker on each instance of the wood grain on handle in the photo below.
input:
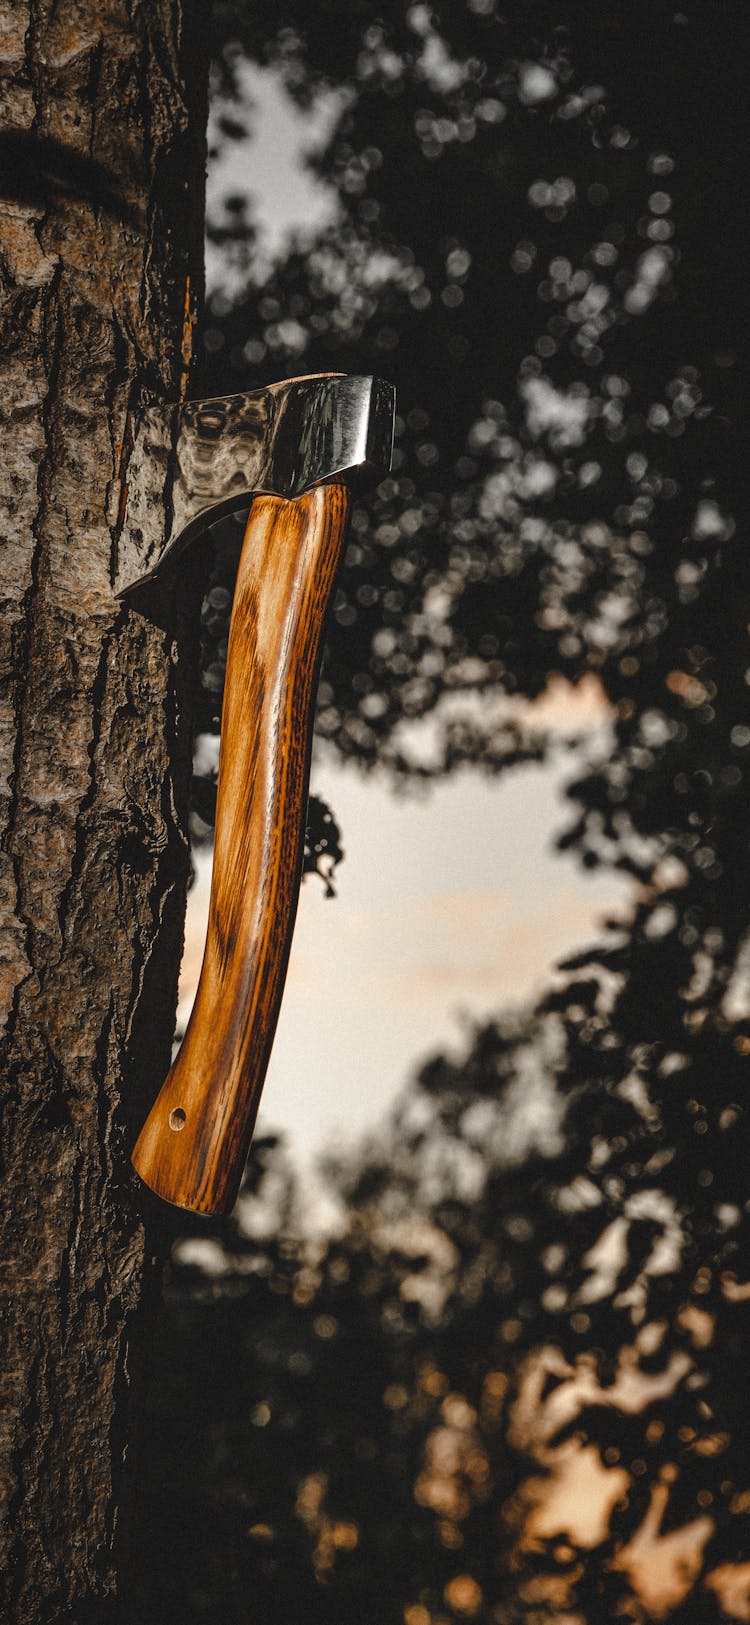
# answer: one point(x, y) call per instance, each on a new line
point(193, 1146)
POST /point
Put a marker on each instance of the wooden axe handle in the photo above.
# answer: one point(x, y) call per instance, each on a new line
point(194, 1143)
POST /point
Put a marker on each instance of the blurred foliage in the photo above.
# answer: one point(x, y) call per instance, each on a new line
point(516, 197)
point(510, 1389)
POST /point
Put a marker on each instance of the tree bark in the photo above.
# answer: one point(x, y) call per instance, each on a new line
point(102, 157)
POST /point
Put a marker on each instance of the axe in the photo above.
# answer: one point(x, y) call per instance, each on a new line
point(296, 448)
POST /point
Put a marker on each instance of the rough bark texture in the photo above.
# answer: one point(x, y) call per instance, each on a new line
point(102, 160)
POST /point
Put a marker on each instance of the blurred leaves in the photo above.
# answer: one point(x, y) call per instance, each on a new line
point(323, 849)
point(509, 1388)
point(516, 198)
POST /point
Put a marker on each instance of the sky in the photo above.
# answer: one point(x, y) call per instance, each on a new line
point(450, 906)
point(269, 167)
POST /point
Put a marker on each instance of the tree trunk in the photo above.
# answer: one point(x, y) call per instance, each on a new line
point(102, 153)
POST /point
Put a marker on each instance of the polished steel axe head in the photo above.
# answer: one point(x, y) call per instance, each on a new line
point(201, 460)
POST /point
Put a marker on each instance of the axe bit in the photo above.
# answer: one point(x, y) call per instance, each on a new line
point(295, 448)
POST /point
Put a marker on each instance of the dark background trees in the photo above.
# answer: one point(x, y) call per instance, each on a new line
point(510, 1390)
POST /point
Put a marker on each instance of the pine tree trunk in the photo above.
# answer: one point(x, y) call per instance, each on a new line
point(102, 158)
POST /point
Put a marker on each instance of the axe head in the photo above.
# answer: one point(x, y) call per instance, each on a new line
point(203, 459)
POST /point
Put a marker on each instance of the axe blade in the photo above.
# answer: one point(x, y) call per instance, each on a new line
point(283, 439)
